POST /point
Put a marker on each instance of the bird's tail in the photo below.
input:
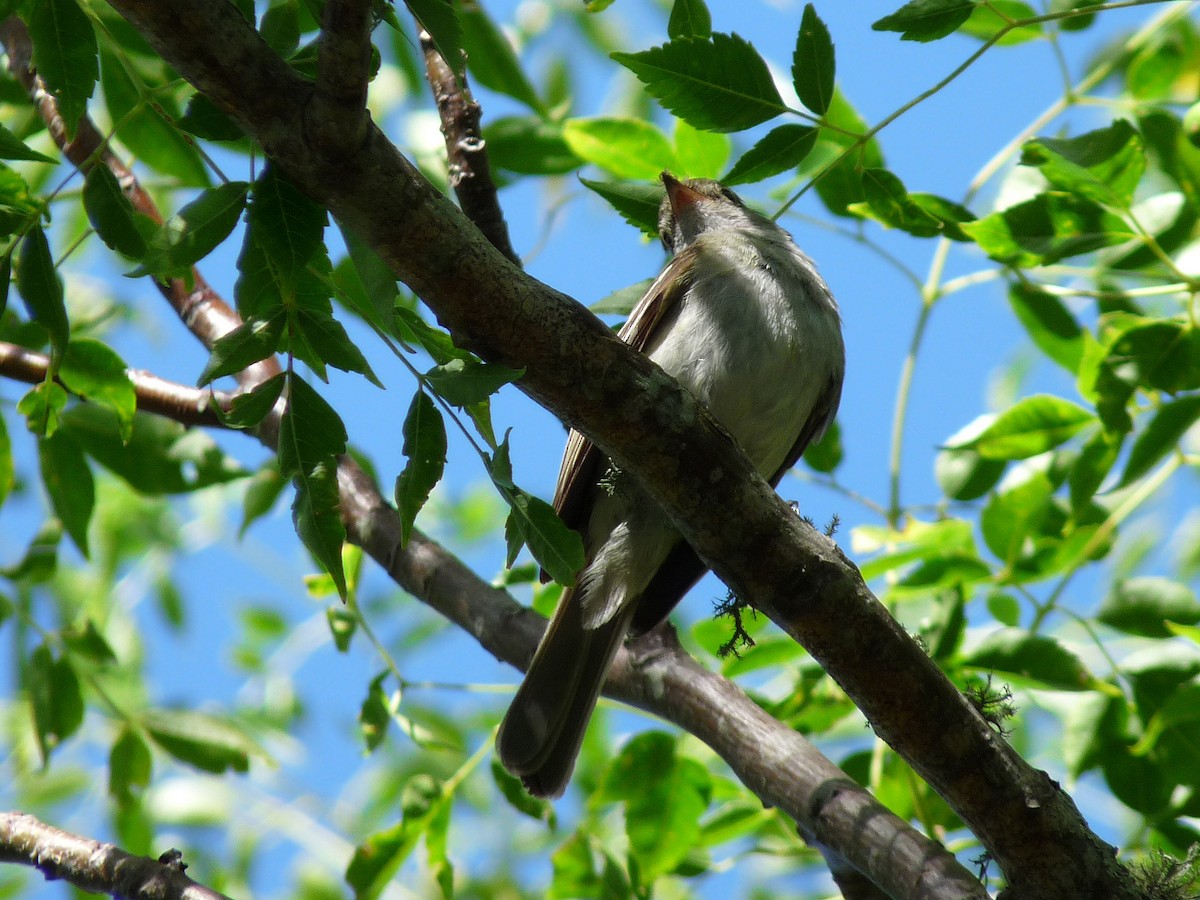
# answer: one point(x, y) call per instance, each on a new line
point(543, 730)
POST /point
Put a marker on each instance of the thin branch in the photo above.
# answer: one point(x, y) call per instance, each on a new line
point(95, 866)
point(339, 117)
point(186, 405)
point(639, 416)
point(466, 152)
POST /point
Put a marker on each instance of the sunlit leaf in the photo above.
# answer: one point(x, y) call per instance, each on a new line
point(1037, 657)
point(628, 148)
point(927, 20)
point(719, 84)
point(813, 67)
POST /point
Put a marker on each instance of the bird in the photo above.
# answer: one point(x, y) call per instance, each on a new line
point(742, 319)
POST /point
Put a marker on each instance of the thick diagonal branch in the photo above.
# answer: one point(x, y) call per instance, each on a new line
point(658, 433)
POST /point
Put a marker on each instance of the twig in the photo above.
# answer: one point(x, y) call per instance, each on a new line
point(466, 152)
point(186, 405)
point(96, 866)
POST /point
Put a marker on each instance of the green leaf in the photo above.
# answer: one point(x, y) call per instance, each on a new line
point(311, 432)
point(262, 491)
point(342, 626)
point(989, 19)
point(838, 160)
point(826, 454)
point(628, 148)
point(960, 471)
point(8, 474)
point(622, 301)
point(158, 457)
point(1092, 466)
point(700, 154)
point(68, 482)
point(12, 147)
point(557, 548)
point(250, 408)
point(18, 208)
point(111, 213)
point(144, 127)
point(1050, 227)
point(377, 859)
point(369, 286)
point(1041, 659)
point(664, 795)
point(529, 145)
point(41, 288)
point(375, 714)
point(287, 225)
point(887, 202)
point(1166, 429)
point(42, 408)
point(637, 203)
point(129, 766)
point(280, 28)
point(64, 54)
point(1011, 518)
point(250, 342)
point(813, 67)
point(1103, 165)
point(491, 59)
point(439, 19)
point(1164, 354)
point(194, 232)
point(425, 451)
point(689, 19)
point(519, 798)
point(329, 341)
point(316, 511)
point(462, 382)
point(210, 743)
point(93, 370)
point(1143, 606)
point(719, 84)
point(1032, 426)
point(415, 330)
point(55, 698)
point(204, 120)
point(927, 20)
point(1049, 324)
point(88, 644)
point(780, 149)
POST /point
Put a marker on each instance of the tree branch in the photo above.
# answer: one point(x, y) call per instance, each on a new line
point(187, 405)
point(339, 117)
point(657, 432)
point(466, 152)
point(96, 866)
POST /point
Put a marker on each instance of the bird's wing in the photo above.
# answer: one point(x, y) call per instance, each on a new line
point(581, 460)
point(823, 413)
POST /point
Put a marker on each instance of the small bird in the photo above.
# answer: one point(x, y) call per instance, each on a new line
point(741, 319)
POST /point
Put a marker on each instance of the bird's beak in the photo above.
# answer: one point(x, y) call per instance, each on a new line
point(681, 195)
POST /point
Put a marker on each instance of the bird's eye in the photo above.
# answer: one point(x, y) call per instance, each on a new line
point(731, 196)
